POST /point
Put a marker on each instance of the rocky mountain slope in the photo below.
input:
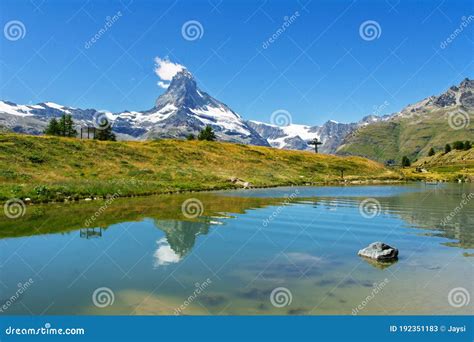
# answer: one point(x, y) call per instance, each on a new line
point(432, 122)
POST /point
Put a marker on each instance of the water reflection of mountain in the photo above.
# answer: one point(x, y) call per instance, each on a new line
point(67, 217)
point(181, 235)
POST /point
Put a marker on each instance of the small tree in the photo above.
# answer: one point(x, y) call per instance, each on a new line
point(66, 126)
point(316, 143)
point(105, 133)
point(458, 145)
point(191, 137)
point(467, 145)
point(447, 148)
point(431, 152)
point(207, 134)
point(405, 161)
point(53, 127)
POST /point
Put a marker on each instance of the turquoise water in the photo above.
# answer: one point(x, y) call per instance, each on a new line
point(265, 251)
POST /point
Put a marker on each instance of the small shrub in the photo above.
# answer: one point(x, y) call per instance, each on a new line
point(36, 159)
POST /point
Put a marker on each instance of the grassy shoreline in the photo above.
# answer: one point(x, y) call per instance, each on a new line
point(41, 169)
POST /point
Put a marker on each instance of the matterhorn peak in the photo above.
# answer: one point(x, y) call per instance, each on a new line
point(182, 90)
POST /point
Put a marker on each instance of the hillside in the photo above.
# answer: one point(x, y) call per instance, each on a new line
point(46, 168)
point(432, 122)
point(452, 166)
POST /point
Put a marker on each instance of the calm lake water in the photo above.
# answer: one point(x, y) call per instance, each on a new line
point(268, 251)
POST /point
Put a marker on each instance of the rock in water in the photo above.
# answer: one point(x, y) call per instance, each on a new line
point(379, 251)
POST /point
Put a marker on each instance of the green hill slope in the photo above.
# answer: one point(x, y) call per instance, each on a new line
point(433, 122)
point(52, 168)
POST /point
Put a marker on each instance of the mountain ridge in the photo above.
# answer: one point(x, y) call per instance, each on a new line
point(183, 109)
point(430, 123)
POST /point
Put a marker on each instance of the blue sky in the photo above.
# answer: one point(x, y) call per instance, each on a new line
point(318, 68)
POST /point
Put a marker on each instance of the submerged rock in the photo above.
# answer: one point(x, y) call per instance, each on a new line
point(379, 251)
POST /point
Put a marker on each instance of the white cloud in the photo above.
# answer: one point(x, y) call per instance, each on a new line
point(164, 255)
point(163, 85)
point(165, 70)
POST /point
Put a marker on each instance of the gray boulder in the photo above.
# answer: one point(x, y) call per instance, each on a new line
point(379, 251)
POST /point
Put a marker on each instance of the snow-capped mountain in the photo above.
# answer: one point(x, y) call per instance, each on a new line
point(32, 119)
point(297, 137)
point(185, 109)
point(182, 110)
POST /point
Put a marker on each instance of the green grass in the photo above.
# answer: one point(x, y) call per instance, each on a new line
point(45, 168)
point(453, 166)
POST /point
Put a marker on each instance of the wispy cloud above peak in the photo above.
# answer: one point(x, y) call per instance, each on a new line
point(165, 70)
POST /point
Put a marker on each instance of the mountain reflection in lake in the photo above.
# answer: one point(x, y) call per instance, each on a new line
point(263, 251)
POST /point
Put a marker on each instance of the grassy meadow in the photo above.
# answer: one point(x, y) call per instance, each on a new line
point(47, 168)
